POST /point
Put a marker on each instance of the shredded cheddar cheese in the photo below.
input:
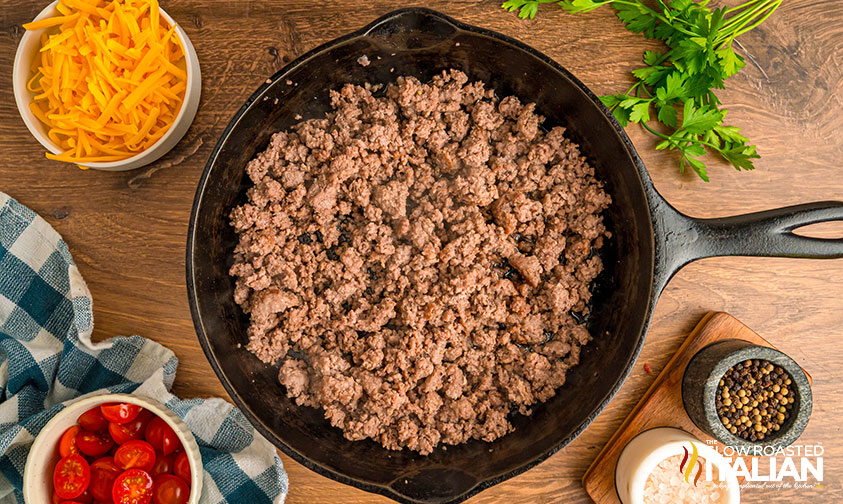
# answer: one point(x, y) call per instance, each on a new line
point(109, 79)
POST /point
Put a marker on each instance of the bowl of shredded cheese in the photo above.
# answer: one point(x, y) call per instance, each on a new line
point(106, 84)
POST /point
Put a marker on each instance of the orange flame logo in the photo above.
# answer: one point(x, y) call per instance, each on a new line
point(686, 467)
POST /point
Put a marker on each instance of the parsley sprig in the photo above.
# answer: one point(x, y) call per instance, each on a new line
point(698, 58)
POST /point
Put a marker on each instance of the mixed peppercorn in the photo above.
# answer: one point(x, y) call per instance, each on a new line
point(754, 399)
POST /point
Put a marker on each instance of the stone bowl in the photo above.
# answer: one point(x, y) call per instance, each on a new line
point(703, 374)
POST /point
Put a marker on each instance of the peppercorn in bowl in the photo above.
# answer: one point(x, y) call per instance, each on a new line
point(753, 400)
point(747, 395)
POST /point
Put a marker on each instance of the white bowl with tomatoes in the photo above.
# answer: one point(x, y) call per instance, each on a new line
point(114, 448)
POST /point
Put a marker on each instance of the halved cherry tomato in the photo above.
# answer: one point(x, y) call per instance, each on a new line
point(135, 454)
point(132, 487)
point(92, 420)
point(120, 412)
point(161, 436)
point(71, 476)
point(70, 502)
point(130, 430)
point(163, 465)
point(94, 444)
point(181, 467)
point(170, 489)
point(67, 444)
point(120, 433)
point(103, 473)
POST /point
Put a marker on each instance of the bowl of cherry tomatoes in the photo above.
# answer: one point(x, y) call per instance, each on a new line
point(114, 449)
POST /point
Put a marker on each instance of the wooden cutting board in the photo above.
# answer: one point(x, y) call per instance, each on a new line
point(661, 405)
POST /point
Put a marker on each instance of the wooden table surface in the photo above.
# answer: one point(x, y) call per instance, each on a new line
point(127, 230)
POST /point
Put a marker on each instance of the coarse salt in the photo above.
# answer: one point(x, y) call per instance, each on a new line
point(666, 485)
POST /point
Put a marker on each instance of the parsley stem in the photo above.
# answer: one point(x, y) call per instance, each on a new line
point(651, 130)
point(735, 25)
point(677, 142)
point(755, 24)
point(634, 87)
point(741, 6)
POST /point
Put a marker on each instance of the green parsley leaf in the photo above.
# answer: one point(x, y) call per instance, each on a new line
point(658, 77)
point(644, 73)
point(681, 5)
point(652, 57)
point(697, 59)
point(692, 55)
point(612, 100)
point(730, 134)
point(695, 150)
point(526, 8)
point(667, 115)
point(640, 112)
point(698, 166)
point(637, 18)
point(629, 102)
point(732, 63)
point(741, 157)
point(577, 6)
point(711, 137)
point(674, 87)
point(698, 120)
point(622, 115)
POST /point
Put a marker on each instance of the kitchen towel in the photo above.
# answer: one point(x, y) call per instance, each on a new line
point(47, 360)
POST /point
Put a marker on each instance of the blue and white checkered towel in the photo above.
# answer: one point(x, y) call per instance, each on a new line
point(47, 360)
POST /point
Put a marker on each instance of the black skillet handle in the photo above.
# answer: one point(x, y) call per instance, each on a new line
point(681, 239)
point(412, 28)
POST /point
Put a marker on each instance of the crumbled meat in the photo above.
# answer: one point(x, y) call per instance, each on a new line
point(529, 268)
point(419, 262)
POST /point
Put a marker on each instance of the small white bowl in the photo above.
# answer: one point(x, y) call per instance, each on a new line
point(29, 46)
point(38, 472)
point(646, 451)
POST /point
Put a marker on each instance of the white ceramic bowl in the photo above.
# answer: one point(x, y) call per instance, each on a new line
point(648, 449)
point(38, 472)
point(29, 47)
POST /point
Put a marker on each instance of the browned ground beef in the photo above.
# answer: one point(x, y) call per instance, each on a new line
point(419, 256)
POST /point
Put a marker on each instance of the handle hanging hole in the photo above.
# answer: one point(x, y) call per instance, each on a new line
point(825, 230)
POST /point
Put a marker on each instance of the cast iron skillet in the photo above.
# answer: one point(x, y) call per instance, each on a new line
point(651, 242)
